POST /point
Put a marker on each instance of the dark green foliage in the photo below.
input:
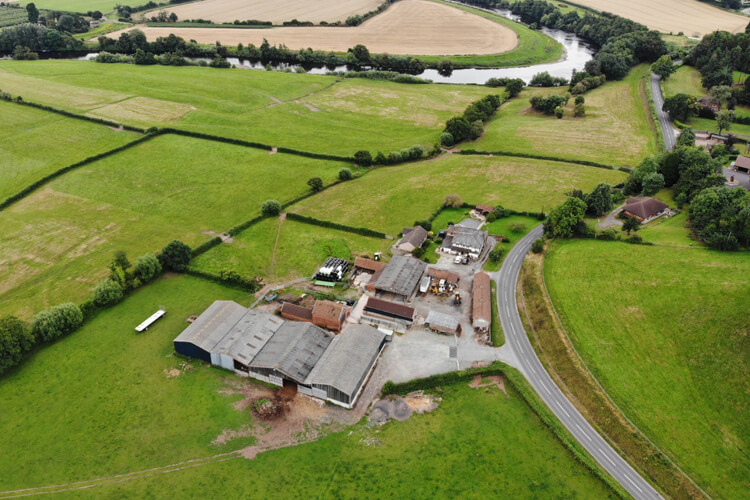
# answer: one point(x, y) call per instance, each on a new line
point(32, 12)
point(721, 217)
point(631, 224)
point(24, 54)
point(547, 104)
point(270, 208)
point(206, 246)
point(175, 256)
point(563, 220)
point(580, 99)
point(538, 246)
point(652, 183)
point(681, 107)
point(380, 159)
point(229, 278)
point(418, 252)
point(107, 292)
point(514, 87)
point(147, 267)
point(698, 171)
point(333, 225)
point(559, 112)
point(579, 110)
point(686, 138)
point(15, 340)
point(345, 174)
point(599, 201)
point(37, 38)
point(445, 67)
point(497, 253)
point(458, 128)
point(470, 125)
point(426, 224)
point(544, 79)
point(56, 322)
point(446, 139)
point(363, 158)
point(634, 183)
point(664, 67)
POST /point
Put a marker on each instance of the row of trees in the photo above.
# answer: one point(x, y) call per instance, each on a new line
point(37, 38)
point(470, 125)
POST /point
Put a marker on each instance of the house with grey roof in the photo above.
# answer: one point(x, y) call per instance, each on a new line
point(344, 367)
point(413, 237)
point(400, 277)
point(464, 240)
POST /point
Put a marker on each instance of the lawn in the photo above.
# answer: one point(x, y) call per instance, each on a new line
point(617, 129)
point(60, 239)
point(514, 228)
point(99, 402)
point(686, 80)
point(665, 332)
point(308, 112)
point(388, 199)
point(449, 216)
point(300, 250)
point(35, 143)
point(497, 449)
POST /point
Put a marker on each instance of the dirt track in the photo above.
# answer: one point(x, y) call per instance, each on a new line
point(692, 17)
point(415, 27)
point(278, 11)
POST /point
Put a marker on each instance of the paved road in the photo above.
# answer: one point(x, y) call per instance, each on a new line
point(666, 124)
point(532, 368)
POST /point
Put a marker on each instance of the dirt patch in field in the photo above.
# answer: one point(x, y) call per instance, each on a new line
point(416, 27)
point(398, 408)
point(692, 17)
point(226, 11)
point(143, 109)
point(492, 380)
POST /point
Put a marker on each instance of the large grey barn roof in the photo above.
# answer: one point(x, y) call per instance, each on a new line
point(245, 340)
point(293, 350)
point(469, 238)
point(211, 326)
point(348, 359)
point(436, 318)
point(401, 276)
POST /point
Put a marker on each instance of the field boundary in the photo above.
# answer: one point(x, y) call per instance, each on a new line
point(585, 163)
point(362, 231)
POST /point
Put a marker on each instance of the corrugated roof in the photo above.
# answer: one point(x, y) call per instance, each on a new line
point(293, 311)
point(435, 318)
point(401, 276)
point(645, 207)
point(246, 338)
point(293, 350)
point(377, 305)
point(368, 264)
point(212, 325)
point(481, 301)
point(442, 274)
point(348, 359)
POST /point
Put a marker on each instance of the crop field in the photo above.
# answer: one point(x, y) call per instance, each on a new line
point(58, 241)
point(666, 335)
point(692, 17)
point(120, 405)
point(35, 143)
point(441, 30)
point(313, 113)
point(616, 130)
point(226, 11)
point(390, 198)
point(281, 250)
point(75, 5)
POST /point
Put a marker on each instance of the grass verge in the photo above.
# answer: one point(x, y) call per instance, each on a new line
point(498, 336)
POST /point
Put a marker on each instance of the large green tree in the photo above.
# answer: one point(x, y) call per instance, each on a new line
point(681, 107)
point(32, 12)
point(664, 67)
point(599, 201)
point(175, 256)
point(721, 217)
point(563, 220)
point(15, 340)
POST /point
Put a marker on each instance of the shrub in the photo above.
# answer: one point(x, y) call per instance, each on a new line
point(514, 87)
point(363, 158)
point(418, 252)
point(316, 183)
point(559, 112)
point(497, 253)
point(15, 340)
point(345, 174)
point(175, 256)
point(147, 267)
point(427, 225)
point(394, 157)
point(580, 99)
point(380, 159)
point(517, 227)
point(57, 321)
point(537, 246)
point(107, 292)
point(270, 208)
point(446, 139)
point(452, 200)
point(579, 110)
point(635, 239)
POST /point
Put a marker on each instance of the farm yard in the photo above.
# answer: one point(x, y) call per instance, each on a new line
point(617, 129)
point(689, 395)
point(692, 17)
point(441, 30)
point(227, 11)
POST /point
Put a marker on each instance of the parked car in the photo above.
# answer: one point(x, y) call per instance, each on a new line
point(458, 259)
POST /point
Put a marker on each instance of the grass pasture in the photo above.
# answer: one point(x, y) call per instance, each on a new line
point(666, 336)
point(10, 16)
point(82, 6)
point(36, 143)
point(388, 199)
point(60, 239)
point(316, 113)
point(282, 250)
point(617, 129)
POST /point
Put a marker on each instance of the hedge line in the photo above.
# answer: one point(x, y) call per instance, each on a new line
point(44, 180)
point(99, 121)
point(241, 227)
point(205, 247)
point(528, 396)
point(218, 279)
point(543, 157)
point(333, 225)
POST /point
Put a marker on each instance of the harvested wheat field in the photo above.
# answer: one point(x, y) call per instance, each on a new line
point(415, 27)
point(692, 17)
point(227, 11)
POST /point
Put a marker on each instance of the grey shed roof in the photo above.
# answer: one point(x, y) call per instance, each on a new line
point(469, 238)
point(414, 235)
point(211, 326)
point(293, 350)
point(435, 318)
point(401, 276)
point(348, 359)
point(246, 338)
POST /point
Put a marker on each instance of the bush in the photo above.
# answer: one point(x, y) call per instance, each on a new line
point(345, 174)
point(425, 224)
point(107, 292)
point(363, 158)
point(635, 239)
point(537, 246)
point(559, 112)
point(418, 252)
point(517, 227)
point(15, 340)
point(446, 139)
point(56, 322)
point(147, 267)
point(497, 253)
point(316, 183)
point(270, 208)
point(175, 256)
point(452, 200)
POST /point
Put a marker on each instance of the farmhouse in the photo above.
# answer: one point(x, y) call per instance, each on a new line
point(464, 240)
point(484, 210)
point(742, 163)
point(413, 237)
point(391, 315)
point(444, 323)
point(644, 208)
point(710, 103)
point(481, 307)
point(400, 277)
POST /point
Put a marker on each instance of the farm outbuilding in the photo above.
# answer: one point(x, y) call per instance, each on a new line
point(443, 323)
point(388, 314)
point(481, 302)
point(400, 277)
point(346, 364)
point(245, 340)
point(200, 338)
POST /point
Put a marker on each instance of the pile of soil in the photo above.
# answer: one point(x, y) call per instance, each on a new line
point(268, 408)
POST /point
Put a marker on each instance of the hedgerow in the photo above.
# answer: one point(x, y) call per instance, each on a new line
point(333, 225)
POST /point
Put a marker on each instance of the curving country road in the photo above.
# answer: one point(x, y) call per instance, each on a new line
point(532, 368)
point(667, 129)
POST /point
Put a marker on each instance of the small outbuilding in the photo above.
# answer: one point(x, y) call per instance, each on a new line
point(443, 323)
point(413, 237)
point(389, 314)
point(484, 210)
point(481, 306)
point(742, 164)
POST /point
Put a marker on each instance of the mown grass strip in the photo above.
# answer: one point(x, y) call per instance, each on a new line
point(498, 336)
point(585, 163)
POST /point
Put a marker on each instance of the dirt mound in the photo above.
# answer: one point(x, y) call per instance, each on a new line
point(398, 408)
point(492, 380)
point(268, 409)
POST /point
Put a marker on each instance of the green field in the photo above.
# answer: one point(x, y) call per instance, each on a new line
point(686, 80)
point(388, 199)
point(10, 16)
point(316, 113)
point(299, 251)
point(665, 332)
point(617, 129)
point(502, 227)
point(60, 239)
point(35, 143)
point(102, 29)
point(78, 5)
